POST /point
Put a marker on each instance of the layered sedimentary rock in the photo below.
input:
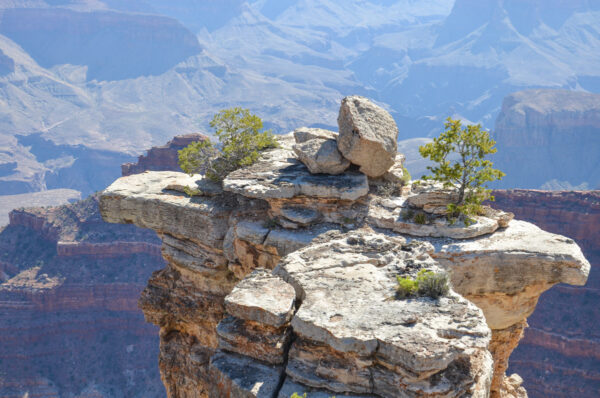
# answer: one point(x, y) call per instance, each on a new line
point(339, 246)
point(162, 157)
point(548, 138)
point(558, 356)
point(69, 322)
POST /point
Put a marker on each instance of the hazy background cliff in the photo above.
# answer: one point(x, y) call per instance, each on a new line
point(88, 85)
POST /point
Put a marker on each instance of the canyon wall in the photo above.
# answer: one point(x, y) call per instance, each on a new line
point(549, 139)
point(69, 320)
point(559, 354)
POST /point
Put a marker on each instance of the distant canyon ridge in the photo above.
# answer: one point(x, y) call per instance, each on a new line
point(77, 103)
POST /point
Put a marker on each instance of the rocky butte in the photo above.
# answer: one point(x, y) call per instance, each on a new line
point(283, 280)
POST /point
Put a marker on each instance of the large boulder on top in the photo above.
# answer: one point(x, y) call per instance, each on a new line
point(317, 149)
point(367, 135)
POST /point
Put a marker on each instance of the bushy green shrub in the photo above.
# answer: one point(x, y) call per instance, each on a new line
point(427, 283)
point(406, 287)
point(241, 138)
point(433, 284)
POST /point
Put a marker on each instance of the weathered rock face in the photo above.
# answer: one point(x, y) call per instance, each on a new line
point(162, 158)
point(558, 356)
point(549, 137)
point(69, 285)
point(368, 135)
point(342, 330)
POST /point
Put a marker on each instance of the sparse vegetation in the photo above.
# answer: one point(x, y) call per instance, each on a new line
point(469, 173)
point(192, 191)
point(241, 138)
point(427, 283)
point(420, 218)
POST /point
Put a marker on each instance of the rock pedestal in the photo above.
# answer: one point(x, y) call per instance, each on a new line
point(284, 281)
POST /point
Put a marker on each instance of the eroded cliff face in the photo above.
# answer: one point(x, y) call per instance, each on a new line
point(284, 281)
point(69, 321)
point(559, 353)
point(548, 138)
point(161, 157)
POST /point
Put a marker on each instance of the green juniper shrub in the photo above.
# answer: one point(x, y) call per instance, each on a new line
point(427, 284)
point(469, 173)
point(241, 138)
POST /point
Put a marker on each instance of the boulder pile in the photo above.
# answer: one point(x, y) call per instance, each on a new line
point(284, 279)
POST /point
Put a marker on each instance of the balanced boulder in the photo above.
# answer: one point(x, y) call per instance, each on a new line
point(367, 136)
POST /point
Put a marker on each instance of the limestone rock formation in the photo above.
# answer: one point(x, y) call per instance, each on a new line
point(318, 150)
point(286, 280)
point(368, 135)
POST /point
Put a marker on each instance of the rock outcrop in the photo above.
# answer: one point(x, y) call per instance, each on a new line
point(160, 158)
point(69, 285)
point(558, 356)
point(231, 326)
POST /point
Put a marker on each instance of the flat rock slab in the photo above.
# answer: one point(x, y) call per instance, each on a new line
point(262, 297)
point(509, 269)
point(391, 215)
point(349, 315)
point(368, 135)
point(236, 376)
point(144, 200)
point(304, 134)
point(279, 175)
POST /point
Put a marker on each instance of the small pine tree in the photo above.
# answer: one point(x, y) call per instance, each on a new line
point(240, 142)
point(470, 172)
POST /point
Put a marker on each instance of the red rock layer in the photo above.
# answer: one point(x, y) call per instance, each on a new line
point(69, 319)
point(162, 157)
point(559, 355)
